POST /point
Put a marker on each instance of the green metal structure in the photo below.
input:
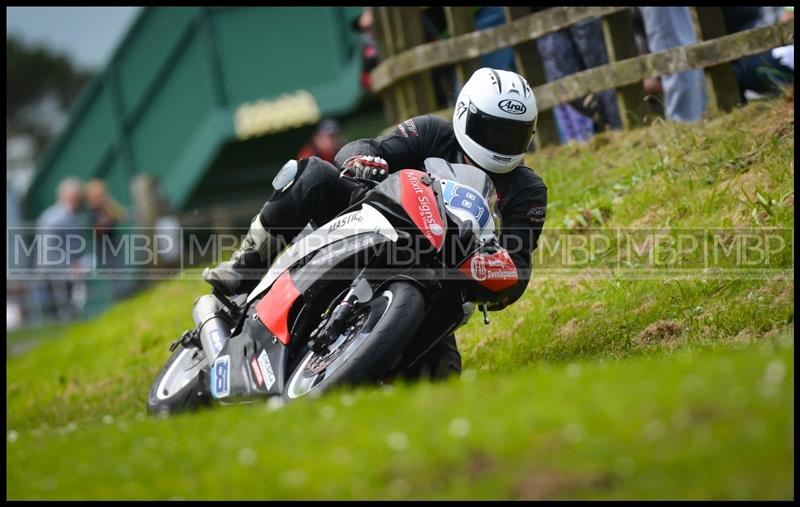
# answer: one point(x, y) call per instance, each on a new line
point(208, 98)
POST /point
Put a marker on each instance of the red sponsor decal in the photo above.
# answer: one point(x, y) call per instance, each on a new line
point(496, 272)
point(273, 309)
point(257, 371)
point(420, 204)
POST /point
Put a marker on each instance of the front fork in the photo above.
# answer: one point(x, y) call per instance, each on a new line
point(335, 320)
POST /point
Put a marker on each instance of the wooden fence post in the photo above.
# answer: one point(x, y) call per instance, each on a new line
point(383, 33)
point(460, 20)
point(621, 45)
point(724, 87)
point(403, 89)
point(417, 95)
point(529, 64)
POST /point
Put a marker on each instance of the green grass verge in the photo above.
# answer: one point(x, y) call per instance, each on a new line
point(707, 425)
point(589, 386)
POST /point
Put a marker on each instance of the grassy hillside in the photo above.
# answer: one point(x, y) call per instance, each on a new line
point(593, 385)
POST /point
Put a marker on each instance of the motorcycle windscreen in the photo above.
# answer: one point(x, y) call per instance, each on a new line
point(469, 194)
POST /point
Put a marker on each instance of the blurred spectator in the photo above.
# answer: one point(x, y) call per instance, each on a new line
point(785, 54)
point(445, 86)
point(57, 220)
point(325, 142)
point(60, 228)
point(105, 214)
point(762, 73)
point(487, 17)
point(369, 46)
point(572, 125)
point(576, 48)
point(684, 92)
point(652, 85)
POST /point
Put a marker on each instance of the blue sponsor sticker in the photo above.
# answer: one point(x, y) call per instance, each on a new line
point(220, 377)
point(217, 340)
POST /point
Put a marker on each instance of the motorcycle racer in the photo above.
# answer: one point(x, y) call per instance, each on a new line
point(492, 126)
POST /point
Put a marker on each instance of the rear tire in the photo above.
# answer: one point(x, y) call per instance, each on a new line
point(180, 385)
point(394, 317)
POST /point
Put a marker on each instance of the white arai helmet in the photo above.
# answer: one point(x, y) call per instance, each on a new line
point(494, 119)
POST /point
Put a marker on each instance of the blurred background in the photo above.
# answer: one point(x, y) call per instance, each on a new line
point(176, 116)
point(158, 117)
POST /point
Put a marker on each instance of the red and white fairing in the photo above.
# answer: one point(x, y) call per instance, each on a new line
point(419, 202)
point(495, 271)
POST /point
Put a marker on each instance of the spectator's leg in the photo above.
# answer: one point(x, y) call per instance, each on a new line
point(761, 73)
point(589, 41)
point(559, 59)
point(572, 124)
point(684, 92)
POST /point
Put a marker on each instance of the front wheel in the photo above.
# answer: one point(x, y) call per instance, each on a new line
point(373, 339)
point(179, 385)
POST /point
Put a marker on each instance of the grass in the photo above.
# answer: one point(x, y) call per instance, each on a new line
point(588, 387)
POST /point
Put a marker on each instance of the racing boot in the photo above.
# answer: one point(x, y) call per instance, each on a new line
point(248, 264)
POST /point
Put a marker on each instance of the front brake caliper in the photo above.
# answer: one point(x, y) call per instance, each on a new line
point(189, 338)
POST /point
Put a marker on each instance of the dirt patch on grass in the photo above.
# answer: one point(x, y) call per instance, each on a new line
point(645, 307)
point(751, 182)
point(651, 218)
point(750, 335)
point(662, 331)
point(569, 329)
point(550, 485)
point(479, 464)
point(746, 335)
point(779, 121)
point(785, 295)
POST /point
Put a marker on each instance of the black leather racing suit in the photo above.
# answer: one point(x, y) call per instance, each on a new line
point(319, 193)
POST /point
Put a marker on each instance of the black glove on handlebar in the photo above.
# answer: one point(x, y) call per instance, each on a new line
point(365, 167)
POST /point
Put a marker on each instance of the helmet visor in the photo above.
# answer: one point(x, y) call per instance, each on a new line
point(500, 135)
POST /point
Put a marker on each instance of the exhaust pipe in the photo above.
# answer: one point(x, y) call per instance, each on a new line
point(213, 328)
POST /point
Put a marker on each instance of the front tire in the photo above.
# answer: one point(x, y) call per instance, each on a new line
point(367, 353)
point(180, 386)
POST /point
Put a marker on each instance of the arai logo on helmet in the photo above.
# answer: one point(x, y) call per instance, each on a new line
point(512, 106)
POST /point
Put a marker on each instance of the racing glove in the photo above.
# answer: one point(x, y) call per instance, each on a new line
point(365, 167)
point(490, 273)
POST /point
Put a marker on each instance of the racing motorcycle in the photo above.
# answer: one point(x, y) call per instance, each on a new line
point(357, 300)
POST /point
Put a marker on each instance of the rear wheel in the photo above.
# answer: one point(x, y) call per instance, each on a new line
point(373, 339)
point(179, 386)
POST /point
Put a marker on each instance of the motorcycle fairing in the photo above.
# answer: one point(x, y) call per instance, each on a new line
point(356, 222)
point(420, 204)
point(249, 356)
point(263, 343)
point(273, 308)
